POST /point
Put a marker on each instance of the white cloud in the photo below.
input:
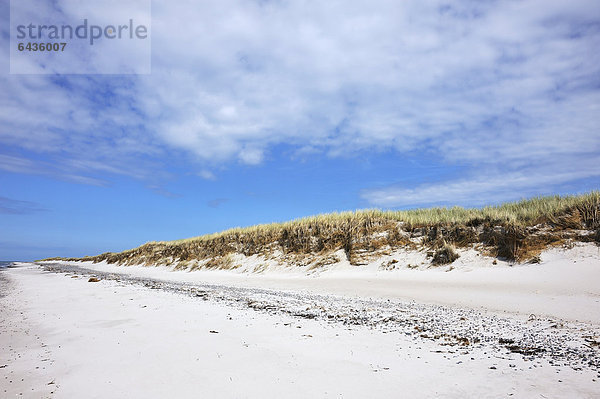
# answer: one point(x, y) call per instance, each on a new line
point(251, 156)
point(482, 188)
point(496, 85)
point(207, 175)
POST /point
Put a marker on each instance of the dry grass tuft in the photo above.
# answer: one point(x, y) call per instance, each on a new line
point(445, 255)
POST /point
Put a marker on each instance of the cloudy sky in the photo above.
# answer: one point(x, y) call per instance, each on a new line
point(267, 110)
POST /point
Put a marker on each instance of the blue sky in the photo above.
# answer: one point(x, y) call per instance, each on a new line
point(262, 111)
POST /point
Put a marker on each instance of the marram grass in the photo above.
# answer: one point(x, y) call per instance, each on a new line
point(527, 212)
point(513, 230)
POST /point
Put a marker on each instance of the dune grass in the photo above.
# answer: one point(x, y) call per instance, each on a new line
point(527, 212)
point(508, 230)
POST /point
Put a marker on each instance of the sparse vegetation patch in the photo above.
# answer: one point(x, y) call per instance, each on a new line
point(444, 255)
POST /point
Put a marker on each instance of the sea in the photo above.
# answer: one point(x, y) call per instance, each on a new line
point(6, 263)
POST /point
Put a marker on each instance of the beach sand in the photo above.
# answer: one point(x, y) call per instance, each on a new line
point(563, 285)
point(64, 337)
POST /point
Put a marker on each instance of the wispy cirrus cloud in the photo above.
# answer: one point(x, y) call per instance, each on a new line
point(484, 188)
point(10, 206)
point(217, 202)
point(58, 170)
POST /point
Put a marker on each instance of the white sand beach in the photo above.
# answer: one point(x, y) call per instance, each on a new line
point(64, 337)
point(563, 285)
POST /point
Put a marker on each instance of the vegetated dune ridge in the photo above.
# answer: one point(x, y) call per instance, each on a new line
point(513, 232)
